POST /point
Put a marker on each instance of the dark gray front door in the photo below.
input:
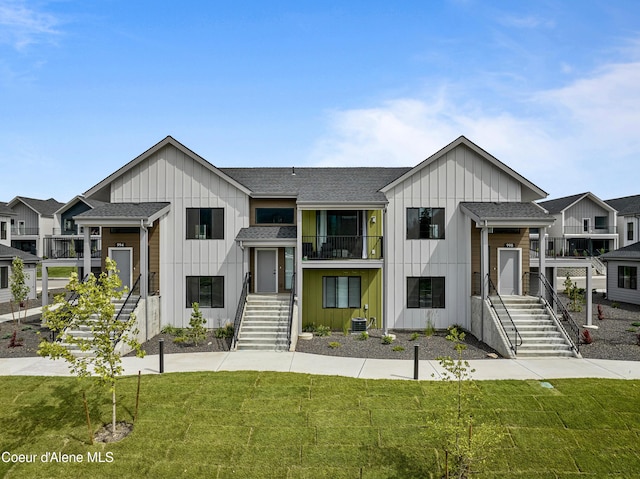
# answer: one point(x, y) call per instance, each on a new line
point(267, 267)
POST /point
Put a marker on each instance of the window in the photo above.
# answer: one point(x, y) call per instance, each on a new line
point(124, 230)
point(601, 223)
point(4, 277)
point(630, 231)
point(586, 225)
point(425, 223)
point(425, 292)
point(205, 223)
point(207, 291)
point(274, 215)
point(68, 225)
point(628, 277)
point(341, 292)
point(3, 230)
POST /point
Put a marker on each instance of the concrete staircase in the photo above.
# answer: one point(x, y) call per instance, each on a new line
point(85, 331)
point(541, 337)
point(265, 323)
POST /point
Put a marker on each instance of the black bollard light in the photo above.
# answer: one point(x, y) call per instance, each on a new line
point(415, 361)
point(161, 341)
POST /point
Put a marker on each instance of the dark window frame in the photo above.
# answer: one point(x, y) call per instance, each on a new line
point(628, 277)
point(196, 291)
point(196, 218)
point(418, 286)
point(630, 231)
point(4, 277)
point(425, 223)
point(354, 299)
point(276, 216)
point(3, 230)
point(600, 223)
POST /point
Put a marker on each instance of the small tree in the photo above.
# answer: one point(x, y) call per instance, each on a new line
point(197, 332)
point(465, 444)
point(19, 289)
point(95, 309)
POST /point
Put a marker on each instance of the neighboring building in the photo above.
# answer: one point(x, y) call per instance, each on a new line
point(7, 254)
point(33, 221)
point(6, 214)
point(401, 245)
point(628, 209)
point(622, 274)
point(585, 226)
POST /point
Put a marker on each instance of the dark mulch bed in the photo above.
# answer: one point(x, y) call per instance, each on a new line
point(616, 338)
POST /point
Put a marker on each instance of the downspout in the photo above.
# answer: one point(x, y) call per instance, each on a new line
point(482, 283)
point(385, 255)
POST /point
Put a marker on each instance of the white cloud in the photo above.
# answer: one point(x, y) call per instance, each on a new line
point(527, 21)
point(570, 144)
point(22, 25)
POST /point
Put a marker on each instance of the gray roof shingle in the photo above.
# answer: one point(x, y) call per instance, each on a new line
point(5, 210)
point(559, 204)
point(124, 210)
point(43, 207)
point(314, 185)
point(267, 232)
point(631, 252)
point(499, 210)
point(8, 253)
point(628, 205)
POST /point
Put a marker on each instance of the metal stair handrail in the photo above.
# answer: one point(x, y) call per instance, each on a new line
point(291, 301)
point(564, 314)
point(517, 338)
point(240, 309)
point(135, 287)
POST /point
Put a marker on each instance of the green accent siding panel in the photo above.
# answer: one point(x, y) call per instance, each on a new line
point(375, 229)
point(336, 318)
point(308, 223)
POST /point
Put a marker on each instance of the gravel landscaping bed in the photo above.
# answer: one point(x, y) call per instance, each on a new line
point(616, 338)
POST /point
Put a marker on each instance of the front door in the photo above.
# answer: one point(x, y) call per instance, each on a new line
point(124, 263)
point(509, 271)
point(267, 269)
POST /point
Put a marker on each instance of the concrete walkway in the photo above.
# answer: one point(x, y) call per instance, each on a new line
point(537, 369)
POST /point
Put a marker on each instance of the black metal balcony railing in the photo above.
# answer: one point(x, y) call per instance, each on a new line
point(18, 230)
point(575, 248)
point(73, 232)
point(341, 247)
point(66, 248)
point(591, 230)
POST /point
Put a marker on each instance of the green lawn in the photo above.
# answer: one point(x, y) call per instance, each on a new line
point(281, 425)
point(57, 271)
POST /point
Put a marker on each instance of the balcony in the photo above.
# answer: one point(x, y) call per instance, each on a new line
point(571, 248)
point(341, 247)
point(21, 230)
point(580, 230)
point(95, 231)
point(58, 248)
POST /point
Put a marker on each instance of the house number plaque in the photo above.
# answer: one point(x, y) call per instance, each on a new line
point(119, 245)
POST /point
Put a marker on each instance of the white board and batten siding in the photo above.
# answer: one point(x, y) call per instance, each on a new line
point(171, 175)
point(459, 175)
point(614, 293)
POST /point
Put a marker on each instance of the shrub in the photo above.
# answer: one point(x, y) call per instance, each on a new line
point(414, 336)
point(387, 339)
point(309, 327)
point(615, 305)
point(363, 336)
point(14, 342)
point(430, 329)
point(172, 330)
point(636, 324)
point(323, 330)
point(334, 344)
point(224, 332)
point(398, 348)
point(586, 337)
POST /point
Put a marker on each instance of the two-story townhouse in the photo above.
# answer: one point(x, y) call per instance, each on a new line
point(585, 226)
point(32, 223)
point(6, 214)
point(394, 245)
point(628, 208)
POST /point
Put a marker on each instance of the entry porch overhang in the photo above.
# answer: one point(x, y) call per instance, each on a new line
point(507, 215)
point(267, 236)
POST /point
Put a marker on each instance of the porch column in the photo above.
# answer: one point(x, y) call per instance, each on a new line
point(542, 253)
point(45, 285)
point(298, 266)
point(144, 261)
point(484, 262)
point(86, 251)
point(589, 296)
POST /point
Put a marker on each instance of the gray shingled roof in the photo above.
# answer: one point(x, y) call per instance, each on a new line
point(311, 185)
point(123, 210)
point(628, 205)
point(8, 253)
point(559, 204)
point(631, 252)
point(267, 232)
point(43, 207)
point(5, 210)
point(500, 210)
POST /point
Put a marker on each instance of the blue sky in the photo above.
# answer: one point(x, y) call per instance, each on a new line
point(551, 88)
